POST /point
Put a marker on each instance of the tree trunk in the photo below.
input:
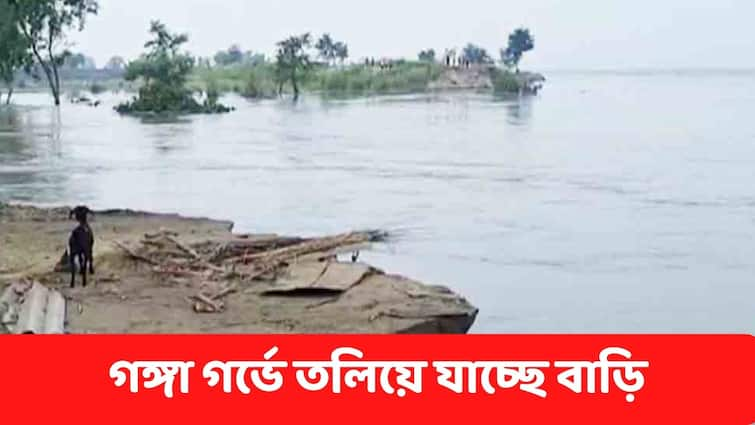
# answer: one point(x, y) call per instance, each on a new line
point(53, 86)
point(48, 74)
point(293, 83)
point(10, 93)
point(56, 82)
point(56, 89)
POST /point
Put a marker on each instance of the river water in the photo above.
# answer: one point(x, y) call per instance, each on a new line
point(612, 202)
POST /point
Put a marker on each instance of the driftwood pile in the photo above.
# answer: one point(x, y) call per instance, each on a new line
point(242, 259)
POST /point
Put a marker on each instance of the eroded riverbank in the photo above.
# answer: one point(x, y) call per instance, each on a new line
point(152, 271)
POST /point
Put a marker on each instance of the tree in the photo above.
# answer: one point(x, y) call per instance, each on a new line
point(341, 51)
point(14, 51)
point(330, 50)
point(78, 61)
point(43, 24)
point(475, 54)
point(326, 48)
point(232, 56)
point(164, 70)
point(116, 63)
point(426, 55)
point(203, 62)
point(254, 59)
point(292, 61)
point(520, 41)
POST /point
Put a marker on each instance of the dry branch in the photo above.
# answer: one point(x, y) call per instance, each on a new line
point(183, 247)
point(133, 254)
point(307, 247)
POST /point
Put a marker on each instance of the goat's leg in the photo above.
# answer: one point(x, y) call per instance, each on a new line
point(83, 262)
point(91, 262)
point(72, 265)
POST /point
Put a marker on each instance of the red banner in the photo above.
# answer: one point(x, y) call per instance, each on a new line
point(378, 379)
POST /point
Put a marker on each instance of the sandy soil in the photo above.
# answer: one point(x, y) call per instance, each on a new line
point(476, 77)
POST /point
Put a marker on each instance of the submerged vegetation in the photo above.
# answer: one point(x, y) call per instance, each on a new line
point(164, 71)
point(170, 80)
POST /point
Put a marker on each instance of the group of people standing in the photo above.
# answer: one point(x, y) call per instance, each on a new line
point(453, 61)
point(383, 64)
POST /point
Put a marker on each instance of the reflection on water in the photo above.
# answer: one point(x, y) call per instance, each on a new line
point(610, 203)
point(519, 110)
point(11, 136)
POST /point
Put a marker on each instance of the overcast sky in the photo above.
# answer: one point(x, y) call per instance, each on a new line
point(572, 34)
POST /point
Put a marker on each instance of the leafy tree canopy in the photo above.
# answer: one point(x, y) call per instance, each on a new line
point(116, 63)
point(231, 56)
point(475, 54)
point(44, 24)
point(520, 42)
point(330, 50)
point(427, 55)
point(14, 50)
point(163, 63)
point(164, 70)
point(293, 61)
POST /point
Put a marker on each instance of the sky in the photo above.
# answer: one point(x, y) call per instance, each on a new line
point(569, 34)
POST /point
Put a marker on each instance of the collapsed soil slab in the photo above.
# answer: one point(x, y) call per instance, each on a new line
point(160, 273)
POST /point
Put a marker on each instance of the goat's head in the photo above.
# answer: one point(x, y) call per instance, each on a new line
point(80, 213)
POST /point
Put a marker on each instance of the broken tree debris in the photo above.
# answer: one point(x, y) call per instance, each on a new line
point(251, 258)
point(244, 258)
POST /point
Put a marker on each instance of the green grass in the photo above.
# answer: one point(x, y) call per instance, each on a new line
point(506, 82)
point(251, 81)
point(259, 81)
point(358, 80)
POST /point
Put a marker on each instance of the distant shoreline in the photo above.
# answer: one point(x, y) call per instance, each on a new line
point(337, 82)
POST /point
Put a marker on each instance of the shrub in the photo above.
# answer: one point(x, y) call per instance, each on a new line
point(505, 82)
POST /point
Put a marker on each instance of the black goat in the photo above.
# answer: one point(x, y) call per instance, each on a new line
point(81, 245)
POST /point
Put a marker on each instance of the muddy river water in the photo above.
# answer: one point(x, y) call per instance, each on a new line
point(612, 202)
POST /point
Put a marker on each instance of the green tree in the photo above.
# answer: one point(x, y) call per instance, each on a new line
point(475, 54)
point(44, 24)
point(78, 61)
point(116, 63)
point(331, 50)
point(232, 56)
point(164, 70)
point(520, 42)
point(292, 61)
point(426, 55)
point(14, 51)
point(341, 51)
point(254, 59)
point(326, 48)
